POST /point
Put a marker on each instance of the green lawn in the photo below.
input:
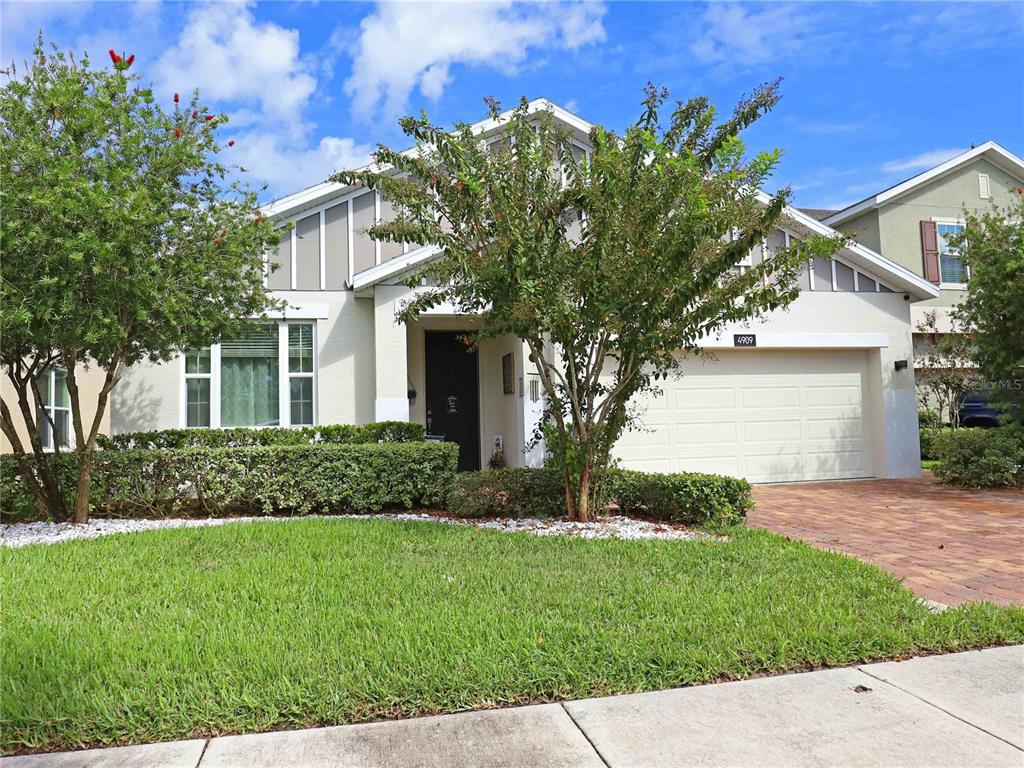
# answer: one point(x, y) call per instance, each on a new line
point(248, 627)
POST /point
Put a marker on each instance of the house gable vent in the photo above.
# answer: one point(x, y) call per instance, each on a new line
point(984, 186)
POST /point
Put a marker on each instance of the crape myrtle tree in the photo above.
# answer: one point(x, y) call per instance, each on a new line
point(944, 367)
point(992, 245)
point(608, 268)
point(123, 239)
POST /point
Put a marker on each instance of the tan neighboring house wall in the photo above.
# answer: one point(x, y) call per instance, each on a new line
point(90, 379)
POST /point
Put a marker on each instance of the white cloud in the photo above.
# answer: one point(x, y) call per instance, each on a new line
point(289, 168)
point(922, 161)
point(255, 71)
point(231, 57)
point(405, 46)
point(732, 33)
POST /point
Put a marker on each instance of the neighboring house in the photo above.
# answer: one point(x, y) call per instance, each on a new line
point(54, 390)
point(822, 390)
point(909, 222)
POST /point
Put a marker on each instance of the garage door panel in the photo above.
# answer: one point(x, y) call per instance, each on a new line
point(835, 429)
point(770, 397)
point(849, 395)
point(771, 431)
point(719, 465)
point(767, 416)
point(699, 398)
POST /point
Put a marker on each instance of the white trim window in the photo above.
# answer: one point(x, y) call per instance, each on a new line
point(264, 378)
point(953, 273)
point(53, 386)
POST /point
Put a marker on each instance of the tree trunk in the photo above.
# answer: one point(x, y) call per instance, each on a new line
point(585, 514)
point(81, 514)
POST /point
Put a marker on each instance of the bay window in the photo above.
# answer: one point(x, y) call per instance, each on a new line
point(265, 377)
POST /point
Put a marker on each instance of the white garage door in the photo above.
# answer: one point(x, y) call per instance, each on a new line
point(764, 415)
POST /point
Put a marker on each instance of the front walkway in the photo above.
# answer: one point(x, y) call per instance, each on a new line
point(949, 545)
point(963, 709)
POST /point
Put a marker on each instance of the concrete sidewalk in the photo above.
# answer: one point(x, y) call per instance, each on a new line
point(963, 709)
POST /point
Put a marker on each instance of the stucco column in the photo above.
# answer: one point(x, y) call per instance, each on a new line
point(391, 369)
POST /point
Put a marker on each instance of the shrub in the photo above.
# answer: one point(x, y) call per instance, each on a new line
point(291, 479)
point(929, 418)
point(927, 438)
point(691, 498)
point(981, 458)
point(520, 492)
point(241, 437)
point(688, 497)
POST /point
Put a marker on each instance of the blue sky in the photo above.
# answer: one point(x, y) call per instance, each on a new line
point(872, 92)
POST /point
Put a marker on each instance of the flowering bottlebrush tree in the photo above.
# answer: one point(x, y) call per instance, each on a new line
point(609, 268)
point(123, 239)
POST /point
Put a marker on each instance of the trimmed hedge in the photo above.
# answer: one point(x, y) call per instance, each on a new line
point(927, 438)
point(290, 479)
point(690, 498)
point(520, 492)
point(242, 437)
point(981, 458)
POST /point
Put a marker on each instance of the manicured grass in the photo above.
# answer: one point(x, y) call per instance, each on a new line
point(247, 627)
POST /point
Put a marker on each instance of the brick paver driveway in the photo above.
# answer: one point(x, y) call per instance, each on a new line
point(949, 545)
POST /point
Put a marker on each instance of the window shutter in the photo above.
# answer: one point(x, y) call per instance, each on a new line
point(984, 186)
point(930, 251)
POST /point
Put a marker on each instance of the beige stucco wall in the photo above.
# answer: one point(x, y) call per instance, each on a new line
point(899, 220)
point(90, 379)
point(864, 229)
point(149, 396)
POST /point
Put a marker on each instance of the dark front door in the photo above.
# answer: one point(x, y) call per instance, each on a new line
point(453, 399)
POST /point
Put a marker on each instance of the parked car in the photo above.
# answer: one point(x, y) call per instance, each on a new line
point(977, 409)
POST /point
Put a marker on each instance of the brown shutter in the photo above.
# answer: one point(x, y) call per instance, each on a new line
point(930, 251)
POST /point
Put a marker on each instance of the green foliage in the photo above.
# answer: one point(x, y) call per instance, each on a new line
point(929, 418)
point(123, 237)
point(981, 458)
point(517, 493)
point(291, 624)
point(285, 479)
point(375, 432)
point(943, 367)
point(928, 435)
point(992, 245)
point(691, 498)
point(620, 261)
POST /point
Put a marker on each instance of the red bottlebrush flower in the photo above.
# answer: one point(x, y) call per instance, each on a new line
point(258, 219)
point(231, 143)
point(177, 133)
point(209, 118)
point(114, 57)
point(176, 97)
point(130, 60)
point(1020, 190)
point(195, 115)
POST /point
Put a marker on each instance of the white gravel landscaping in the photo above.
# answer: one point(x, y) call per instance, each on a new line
point(616, 527)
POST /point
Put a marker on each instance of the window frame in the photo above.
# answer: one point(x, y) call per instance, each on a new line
point(283, 380)
point(967, 270)
point(51, 407)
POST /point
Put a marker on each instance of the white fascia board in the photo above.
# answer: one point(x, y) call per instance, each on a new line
point(769, 340)
point(320, 193)
point(390, 269)
point(996, 154)
point(897, 276)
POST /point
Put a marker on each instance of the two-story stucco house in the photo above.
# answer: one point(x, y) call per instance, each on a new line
point(822, 390)
point(910, 221)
